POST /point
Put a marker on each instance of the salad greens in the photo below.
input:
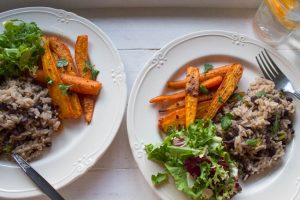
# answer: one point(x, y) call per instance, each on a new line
point(20, 47)
point(197, 161)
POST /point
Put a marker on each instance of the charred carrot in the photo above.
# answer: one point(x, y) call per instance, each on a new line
point(220, 71)
point(192, 92)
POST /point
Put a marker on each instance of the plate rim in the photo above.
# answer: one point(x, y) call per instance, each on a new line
point(64, 181)
point(239, 38)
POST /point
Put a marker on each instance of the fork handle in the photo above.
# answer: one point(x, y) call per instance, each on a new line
point(297, 94)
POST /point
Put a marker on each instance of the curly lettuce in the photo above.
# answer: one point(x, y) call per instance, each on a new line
point(20, 47)
point(199, 165)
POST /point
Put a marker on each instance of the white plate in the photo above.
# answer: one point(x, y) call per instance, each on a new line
point(216, 47)
point(78, 146)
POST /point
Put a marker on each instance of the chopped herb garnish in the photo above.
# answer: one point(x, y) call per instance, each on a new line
point(62, 63)
point(252, 142)
point(7, 148)
point(64, 88)
point(220, 99)
point(275, 126)
point(226, 121)
point(159, 178)
point(203, 90)
point(49, 80)
point(238, 97)
point(207, 67)
point(281, 135)
point(90, 67)
point(260, 94)
point(94, 73)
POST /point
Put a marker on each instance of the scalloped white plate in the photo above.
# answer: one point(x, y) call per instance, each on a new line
point(216, 47)
point(78, 146)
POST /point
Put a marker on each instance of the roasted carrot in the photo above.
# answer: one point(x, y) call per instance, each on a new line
point(210, 83)
point(63, 55)
point(181, 103)
point(81, 59)
point(225, 90)
point(62, 52)
point(82, 85)
point(58, 98)
point(176, 118)
point(81, 55)
point(192, 92)
point(78, 84)
point(220, 71)
point(161, 98)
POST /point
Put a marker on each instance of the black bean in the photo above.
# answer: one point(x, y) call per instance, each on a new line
point(285, 113)
point(290, 125)
point(271, 152)
point(253, 98)
point(31, 114)
point(40, 108)
point(48, 144)
point(24, 120)
point(277, 100)
point(290, 99)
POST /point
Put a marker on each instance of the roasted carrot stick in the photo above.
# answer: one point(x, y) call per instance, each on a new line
point(78, 84)
point(177, 117)
point(210, 83)
point(181, 103)
point(220, 71)
point(82, 85)
point(58, 98)
point(225, 90)
point(161, 98)
point(192, 92)
point(81, 59)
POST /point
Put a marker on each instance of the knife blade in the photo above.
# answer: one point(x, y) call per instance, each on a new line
point(39, 181)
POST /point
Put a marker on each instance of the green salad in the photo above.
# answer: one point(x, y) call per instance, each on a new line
point(20, 47)
point(195, 158)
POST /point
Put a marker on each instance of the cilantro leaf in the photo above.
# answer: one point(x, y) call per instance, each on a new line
point(62, 63)
point(260, 94)
point(226, 121)
point(203, 90)
point(49, 81)
point(276, 124)
point(64, 88)
point(220, 99)
point(207, 67)
point(252, 142)
point(159, 178)
point(7, 148)
point(94, 73)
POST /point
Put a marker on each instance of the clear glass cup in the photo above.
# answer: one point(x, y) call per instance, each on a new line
point(275, 20)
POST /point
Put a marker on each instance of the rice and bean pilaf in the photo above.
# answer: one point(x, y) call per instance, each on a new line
point(27, 119)
point(261, 127)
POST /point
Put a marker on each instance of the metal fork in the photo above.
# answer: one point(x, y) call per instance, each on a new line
point(272, 72)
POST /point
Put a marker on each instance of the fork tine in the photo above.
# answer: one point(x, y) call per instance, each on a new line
point(266, 67)
point(262, 68)
point(273, 63)
point(274, 71)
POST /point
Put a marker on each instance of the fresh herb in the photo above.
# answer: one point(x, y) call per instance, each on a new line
point(7, 148)
point(260, 94)
point(20, 47)
point(226, 121)
point(220, 99)
point(195, 167)
point(275, 125)
point(159, 178)
point(62, 63)
point(252, 142)
point(49, 81)
point(90, 67)
point(281, 135)
point(238, 96)
point(203, 90)
point(64, 88)
point(207, 67)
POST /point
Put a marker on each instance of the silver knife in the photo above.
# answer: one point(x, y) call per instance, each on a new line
point(37, 178)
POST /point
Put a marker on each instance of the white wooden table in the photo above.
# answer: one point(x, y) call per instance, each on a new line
point(138, 33)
